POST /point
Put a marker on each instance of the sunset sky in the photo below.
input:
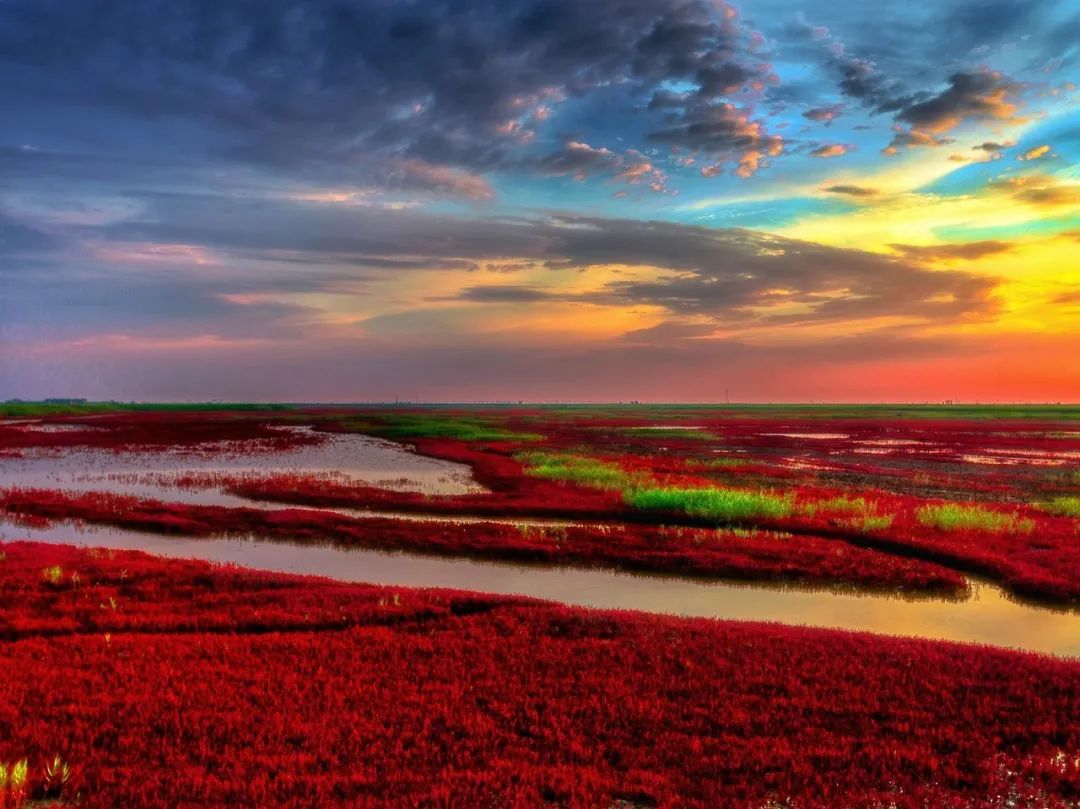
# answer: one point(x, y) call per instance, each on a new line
point(519, 199)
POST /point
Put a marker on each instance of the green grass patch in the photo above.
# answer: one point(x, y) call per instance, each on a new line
point(1064, 506)
point(955, 517)
point(461, 429)
point(665, 432)
point(725, 505)
point(579, 469)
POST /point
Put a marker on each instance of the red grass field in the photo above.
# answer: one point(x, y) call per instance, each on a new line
point(179, 684)
point(169, 683)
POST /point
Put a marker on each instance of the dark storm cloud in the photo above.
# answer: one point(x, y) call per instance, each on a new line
point(981, 95)
point(355, 83)
point(717, 81)
point(970, 96)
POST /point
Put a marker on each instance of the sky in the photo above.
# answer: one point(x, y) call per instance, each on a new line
point(656, 200)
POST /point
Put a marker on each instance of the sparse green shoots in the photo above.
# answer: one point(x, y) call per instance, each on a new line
point(956, 517)
point(725, 463)
point(842, 504)
point(861, 514)
point(752, 533)
point(57, 775)
point(555, 533)
point(871, 523)
point(723, 505)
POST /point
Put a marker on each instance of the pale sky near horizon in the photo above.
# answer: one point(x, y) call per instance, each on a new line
point(668, 200)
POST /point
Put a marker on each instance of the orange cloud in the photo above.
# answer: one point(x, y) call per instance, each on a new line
point(830, 150)
point(1039, 189)
point(984, 95)
point(1036, 153)
point(443, 179)
point(724, 133)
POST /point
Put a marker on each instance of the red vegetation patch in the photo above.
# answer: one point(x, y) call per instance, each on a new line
point(901, 464)
point(153, 430)
point(171, 683)
point(1042, 564)
point(751, 556)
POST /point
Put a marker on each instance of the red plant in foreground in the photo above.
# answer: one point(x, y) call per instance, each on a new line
point(183, 684)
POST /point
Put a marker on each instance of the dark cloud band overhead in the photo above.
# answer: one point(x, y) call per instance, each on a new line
point(354, 84)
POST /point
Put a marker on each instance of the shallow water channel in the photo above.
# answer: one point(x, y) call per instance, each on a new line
point(987, 617)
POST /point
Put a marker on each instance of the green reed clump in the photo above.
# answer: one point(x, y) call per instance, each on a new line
point(956, 517)
point(425, 426)
point(13, 779)
point(1064, 506)
point(579, 469)
point(724, 505)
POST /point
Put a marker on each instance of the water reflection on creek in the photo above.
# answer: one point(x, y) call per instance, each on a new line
point(988, 617)
point(346, 458)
